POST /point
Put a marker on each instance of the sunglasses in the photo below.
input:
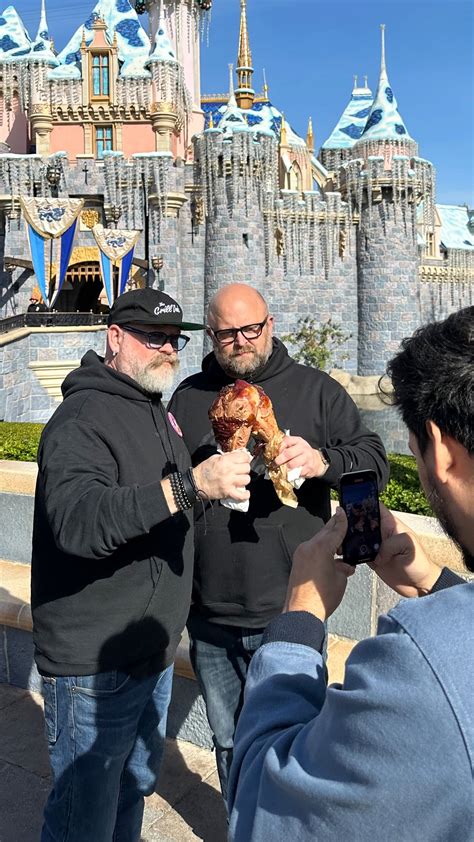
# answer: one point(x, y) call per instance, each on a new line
point(156, 339)
point(247, 331)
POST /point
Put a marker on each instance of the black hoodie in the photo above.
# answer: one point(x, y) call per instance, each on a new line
point(111, 568)
point(243, 561)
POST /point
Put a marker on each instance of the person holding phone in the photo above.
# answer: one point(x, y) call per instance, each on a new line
point(389, 753)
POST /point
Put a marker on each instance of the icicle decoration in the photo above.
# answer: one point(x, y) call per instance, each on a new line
point(170, 86)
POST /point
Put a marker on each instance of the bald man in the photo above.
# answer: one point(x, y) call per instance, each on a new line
point(243, 561)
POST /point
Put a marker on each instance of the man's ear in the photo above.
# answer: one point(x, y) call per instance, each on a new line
point(114, 336)
point(271, 323)
point(444, 451)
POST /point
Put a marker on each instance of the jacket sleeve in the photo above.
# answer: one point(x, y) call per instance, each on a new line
point(344, 762)
point(89, 513)
point(351, 445)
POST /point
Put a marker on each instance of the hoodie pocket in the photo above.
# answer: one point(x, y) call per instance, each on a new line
point(241, 577)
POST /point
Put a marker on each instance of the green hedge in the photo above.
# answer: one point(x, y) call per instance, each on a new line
point(19, 441)
point(404, 492)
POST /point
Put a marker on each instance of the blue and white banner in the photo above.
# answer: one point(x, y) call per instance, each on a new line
point(48, 220)
point(116, 251)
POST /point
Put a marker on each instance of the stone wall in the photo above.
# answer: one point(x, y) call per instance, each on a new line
point(388, 291)
point(23, 397)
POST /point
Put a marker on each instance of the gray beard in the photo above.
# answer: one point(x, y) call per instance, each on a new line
point(155, 379)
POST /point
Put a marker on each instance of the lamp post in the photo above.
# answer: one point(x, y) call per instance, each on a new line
point(54, 172)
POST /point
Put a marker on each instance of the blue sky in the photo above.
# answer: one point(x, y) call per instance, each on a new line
point(311, 49)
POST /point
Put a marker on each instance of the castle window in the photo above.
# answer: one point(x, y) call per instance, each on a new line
point(103, 140)
point(430, 245)
point(100, 75)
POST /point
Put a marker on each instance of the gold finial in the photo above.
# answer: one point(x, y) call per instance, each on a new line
point(231, 80)
point(310, 136)
point(83, 42)
point(265, 86)
point(244, 94)
point(245, 56)
point(283, 132)
point(211, 121)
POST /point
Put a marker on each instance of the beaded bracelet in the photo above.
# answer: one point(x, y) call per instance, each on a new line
point(180, 497)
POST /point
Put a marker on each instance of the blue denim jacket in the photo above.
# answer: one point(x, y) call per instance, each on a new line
point(386, 756)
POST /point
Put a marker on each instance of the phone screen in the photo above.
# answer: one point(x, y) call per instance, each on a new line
point(360, 501)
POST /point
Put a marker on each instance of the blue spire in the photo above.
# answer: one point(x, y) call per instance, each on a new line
point(384, 121)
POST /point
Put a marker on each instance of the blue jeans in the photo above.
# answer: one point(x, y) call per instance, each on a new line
point(220, 656)
point(106, 737)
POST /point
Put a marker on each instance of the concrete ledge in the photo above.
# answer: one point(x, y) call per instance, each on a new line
point(18, 477)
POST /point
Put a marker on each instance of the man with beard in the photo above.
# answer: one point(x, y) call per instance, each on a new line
point(390, 753)
point(112, 569)
point(243, 560)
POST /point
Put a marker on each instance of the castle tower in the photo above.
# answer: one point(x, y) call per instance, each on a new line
point(245, 93)
point(170, 97)
point(237, 168)
point(41, 60)
point(383, 181)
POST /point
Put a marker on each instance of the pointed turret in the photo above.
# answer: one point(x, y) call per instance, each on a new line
point(245, 93)
point(384, 121)
point(171, 100)
point(42, 48)
point(352, 121)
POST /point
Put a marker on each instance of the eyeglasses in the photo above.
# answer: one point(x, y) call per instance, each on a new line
point(247, 331)
point(156, 339)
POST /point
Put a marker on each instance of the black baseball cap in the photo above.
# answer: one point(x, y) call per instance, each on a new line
point(148, 307)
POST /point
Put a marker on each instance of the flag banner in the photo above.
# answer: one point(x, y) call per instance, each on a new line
point(47, 220)
point(116, 248)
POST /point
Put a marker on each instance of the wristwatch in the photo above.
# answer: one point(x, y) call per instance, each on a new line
point(325, 458)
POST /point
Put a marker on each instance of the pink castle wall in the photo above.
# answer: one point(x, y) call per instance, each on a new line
point(137, 137)
point(14, 128)
point(68, 138)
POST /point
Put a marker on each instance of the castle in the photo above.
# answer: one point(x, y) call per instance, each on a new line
point(221, 188)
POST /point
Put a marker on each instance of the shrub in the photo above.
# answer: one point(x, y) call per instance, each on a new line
point(19, 440)
point(317, 344)
point(404, 492)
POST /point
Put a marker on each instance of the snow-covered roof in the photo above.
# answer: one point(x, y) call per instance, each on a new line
point(263, 118)
point(455, 232)
point(132, 41)
point(384, 121)
point(15, 43)
point(352, 121)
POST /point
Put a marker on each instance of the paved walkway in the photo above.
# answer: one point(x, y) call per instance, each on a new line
point(187, 806)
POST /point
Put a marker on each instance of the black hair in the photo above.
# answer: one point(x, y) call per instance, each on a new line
point(433, 379)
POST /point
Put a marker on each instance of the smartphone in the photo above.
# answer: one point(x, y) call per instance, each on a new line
point(359, 497)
